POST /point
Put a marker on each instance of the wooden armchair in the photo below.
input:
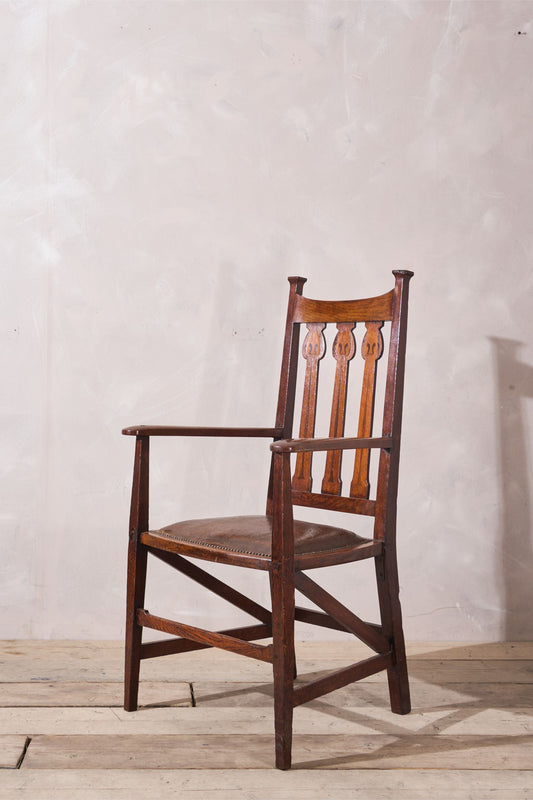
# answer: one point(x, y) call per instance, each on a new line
point(277, 543)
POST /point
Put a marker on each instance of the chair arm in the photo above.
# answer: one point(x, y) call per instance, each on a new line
point(166, 430)
point(310, 445)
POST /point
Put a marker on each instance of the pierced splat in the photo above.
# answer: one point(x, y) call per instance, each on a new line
point(371, 350)
point(313, 350)
point(343, 351)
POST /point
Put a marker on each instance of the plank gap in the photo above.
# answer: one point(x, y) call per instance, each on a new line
point(193, 698)
point(24, 751)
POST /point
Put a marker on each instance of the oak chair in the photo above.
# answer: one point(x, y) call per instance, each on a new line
point(284, 547)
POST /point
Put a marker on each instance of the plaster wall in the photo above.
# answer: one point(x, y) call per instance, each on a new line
point(164, 167)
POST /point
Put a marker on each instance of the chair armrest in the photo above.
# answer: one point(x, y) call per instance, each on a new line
point(309, 445)
point(166, 430)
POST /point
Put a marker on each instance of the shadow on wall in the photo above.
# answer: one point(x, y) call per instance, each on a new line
point(514, 384)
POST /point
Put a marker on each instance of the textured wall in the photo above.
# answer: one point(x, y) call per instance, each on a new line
point(165, 163)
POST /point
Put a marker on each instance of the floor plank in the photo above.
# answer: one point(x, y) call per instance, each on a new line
point(11, 750)
point(321, 719)
point(109, 695)
point(469, 736)
point(368, 695)
point(448, 672)
point(370, 784)
point(82, 648)
point(226, 693)
point(28, 660)
point(223, 751)
point(211, 667)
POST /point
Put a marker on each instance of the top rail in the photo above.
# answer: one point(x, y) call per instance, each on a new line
point(367, 310)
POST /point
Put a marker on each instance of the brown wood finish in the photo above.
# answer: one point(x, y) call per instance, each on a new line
point(169, 647)
point(289, 363)
point(172, 430)
point(293, 546)
point(351, 505)
point(314, 445)
point(385, 522)
point(343, 352)
point(367, 549)
point(372, 351)
point(370, 635)
point(288, 376)
point(307, 310)
point(247, 540)
point(137, 558)
point(341, 677)
point(214, 585)
point(191, 550)
point(311, 617)
point(313, 350)
point(282, 576)
point(209, 638)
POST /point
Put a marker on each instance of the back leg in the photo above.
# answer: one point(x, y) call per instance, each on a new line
point(391, 618)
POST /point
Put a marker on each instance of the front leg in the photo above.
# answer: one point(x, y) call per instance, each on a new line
point(284, 661)
point(137, 558)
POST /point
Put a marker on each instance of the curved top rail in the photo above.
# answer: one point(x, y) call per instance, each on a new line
point(368, 310)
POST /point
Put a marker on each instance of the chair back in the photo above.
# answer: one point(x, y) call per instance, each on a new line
point(362, 333)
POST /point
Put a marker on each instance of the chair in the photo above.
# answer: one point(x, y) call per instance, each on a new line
point(282, 546)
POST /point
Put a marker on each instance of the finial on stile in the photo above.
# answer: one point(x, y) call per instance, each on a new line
point(403, 273)
point(297, 284)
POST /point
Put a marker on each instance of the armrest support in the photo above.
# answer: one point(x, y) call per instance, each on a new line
point(310, 445)
point(166, 430)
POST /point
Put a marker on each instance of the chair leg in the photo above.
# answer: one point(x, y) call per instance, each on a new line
point(283, 663)
point(137, 558)
point(391, 618)
point(295, 671)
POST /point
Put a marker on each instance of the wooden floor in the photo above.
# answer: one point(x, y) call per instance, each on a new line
point(205, 728)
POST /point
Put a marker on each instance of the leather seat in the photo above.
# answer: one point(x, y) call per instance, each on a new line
point(242, 538)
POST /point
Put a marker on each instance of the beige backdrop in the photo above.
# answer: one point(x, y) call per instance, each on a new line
point(166, 165)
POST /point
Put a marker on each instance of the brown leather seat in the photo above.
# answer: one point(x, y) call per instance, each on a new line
point(239, 538)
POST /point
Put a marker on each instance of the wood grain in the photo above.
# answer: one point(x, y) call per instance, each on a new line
point(313, 350)
point(369, 634)
point(317, 717)
point(230, 692)
point(302, 784)
point(11, 750)
point(49, 661)
point(366, 694)
point(343, 351)
point(183, 430)
point(310, 751)
point(371, 350)
point(57, 694)
point(308, 310)
point(465, 739)
point(462, 698)
point(209, 638)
